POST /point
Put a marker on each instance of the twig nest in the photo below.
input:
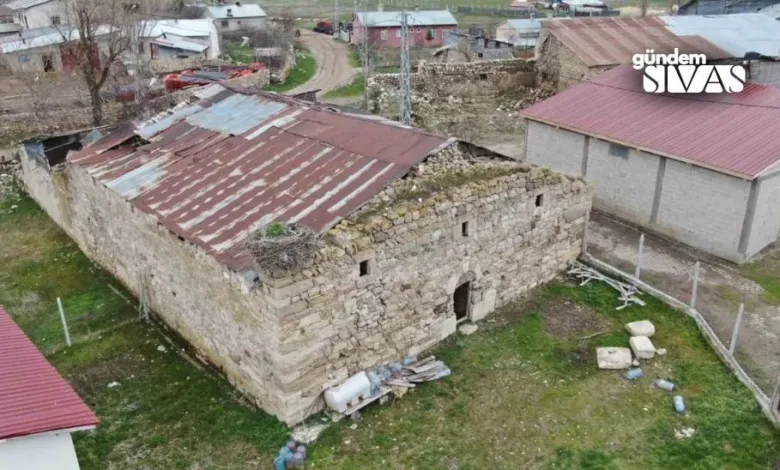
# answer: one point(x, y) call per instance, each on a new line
point(281, 248)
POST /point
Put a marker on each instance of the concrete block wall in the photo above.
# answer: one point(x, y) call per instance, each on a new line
point(765, 226)
point(554, 148)
point(625, 187)
point(703, 208)
point(340, 322)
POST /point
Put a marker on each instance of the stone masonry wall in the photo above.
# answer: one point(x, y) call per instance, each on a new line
point(557, 67)
point(340, 322)
point(212, 308)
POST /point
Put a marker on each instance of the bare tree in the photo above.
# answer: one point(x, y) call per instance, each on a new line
point(643, 8)
point(97, 33)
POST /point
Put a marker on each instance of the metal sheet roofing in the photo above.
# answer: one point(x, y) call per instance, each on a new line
point(249, 10)
point(25, 4)
point(34, 398)
point(613, 41)
point(735, 34)
point(718, 7)
point(216, 170)
point(387, 19)
point(178, 43)
point(44, 37)
point(526, 25)
point(183, 28)
point(737, 134)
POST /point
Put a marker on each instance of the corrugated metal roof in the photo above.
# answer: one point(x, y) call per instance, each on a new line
point(388, 19)
point(719, 7)
point(735, 34)
point(178, 43)
point(613, 41)
point(737, 133)
point(249, 10)
point(216, 170)
point(47, 37)
point(34, 398)
point(183, 28)
point(527, 25)
point(24, 4)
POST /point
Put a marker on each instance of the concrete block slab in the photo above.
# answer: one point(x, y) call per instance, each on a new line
point(641, 328)
point(613, 358)
point(642, 346)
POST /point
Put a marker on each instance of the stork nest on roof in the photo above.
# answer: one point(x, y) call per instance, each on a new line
point(281, 248)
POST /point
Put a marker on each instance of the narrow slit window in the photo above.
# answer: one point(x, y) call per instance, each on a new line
point(616, 150)
point(364, 268)
point(539, 200)
point(464, 229)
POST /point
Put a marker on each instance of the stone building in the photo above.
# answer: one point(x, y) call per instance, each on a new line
point(705, 174)
point(418, 233)
point(572, 51)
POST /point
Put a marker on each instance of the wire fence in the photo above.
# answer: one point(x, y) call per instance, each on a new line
point(729, 309)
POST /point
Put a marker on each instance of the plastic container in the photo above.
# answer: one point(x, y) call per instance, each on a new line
point(633, 374)
point(679, 404)
point(664, 385)
point(357, 386)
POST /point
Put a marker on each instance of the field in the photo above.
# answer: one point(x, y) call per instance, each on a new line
point(524, 391)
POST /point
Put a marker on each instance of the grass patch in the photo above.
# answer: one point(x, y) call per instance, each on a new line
point(356, 88)
point(355, 60)
point(241, 54)
point(302, 72)
point(766, 273)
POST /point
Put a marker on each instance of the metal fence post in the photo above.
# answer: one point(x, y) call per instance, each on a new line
point(64, 323)
point(737, 328)
point(695, 284)
point(584, 247)
point(639, 256)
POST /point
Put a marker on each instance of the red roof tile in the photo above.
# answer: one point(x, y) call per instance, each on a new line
point(34, 398)
point(613, 41)
point(215, 170)
point(737, 133)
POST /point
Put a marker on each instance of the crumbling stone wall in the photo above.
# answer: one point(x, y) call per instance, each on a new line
point(480, 78)
point(284, 341)
point(557, 67)
point(524, 225)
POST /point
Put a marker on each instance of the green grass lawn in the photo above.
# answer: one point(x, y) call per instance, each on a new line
point(303, 71)
point(356, 88)
point(524, 390)
point(766, 272)
point(241, 55)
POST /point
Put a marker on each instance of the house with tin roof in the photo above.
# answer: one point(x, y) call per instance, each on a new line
point(31, 14)
point(236, 16)
point(38, 409)
point(382, 29)
point(392, 236)
point(700, 169)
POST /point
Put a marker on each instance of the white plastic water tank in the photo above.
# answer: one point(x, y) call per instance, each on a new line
point(357, 386)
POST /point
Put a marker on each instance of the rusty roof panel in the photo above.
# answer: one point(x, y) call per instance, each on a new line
point(214, 171)
point(612, 41)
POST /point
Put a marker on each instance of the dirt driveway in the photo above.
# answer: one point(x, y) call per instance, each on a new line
point(668, 266)
point(332, 59)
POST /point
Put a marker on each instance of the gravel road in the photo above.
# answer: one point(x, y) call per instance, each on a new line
point(332, 59)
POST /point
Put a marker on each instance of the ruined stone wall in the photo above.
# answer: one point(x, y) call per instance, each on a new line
point(557, 67)
point(229, 324)
point(522, 229)
point(480, 78)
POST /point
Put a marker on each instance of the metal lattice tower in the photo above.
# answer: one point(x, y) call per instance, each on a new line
point(405, 104)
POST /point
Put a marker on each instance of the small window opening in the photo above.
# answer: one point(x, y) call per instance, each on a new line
point(48, 63)
point(464, 229)
point(539, 200)
point(364, 268)
point(618, 151)
point(483, 76)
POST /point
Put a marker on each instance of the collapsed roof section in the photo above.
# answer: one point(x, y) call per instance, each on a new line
point(214, 170)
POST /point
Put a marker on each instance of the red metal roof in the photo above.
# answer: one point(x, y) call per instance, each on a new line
point(601, 41)
point(34, 398)
point(215, 170)
point(734, 133)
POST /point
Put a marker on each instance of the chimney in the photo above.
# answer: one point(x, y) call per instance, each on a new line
point(229, 12)
point(417, 8)
point(238, 4)
point(380, 7)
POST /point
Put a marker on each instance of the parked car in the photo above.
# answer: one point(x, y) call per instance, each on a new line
point(324, 27)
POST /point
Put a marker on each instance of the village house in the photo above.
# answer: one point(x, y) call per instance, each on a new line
point(232, 17)
point(522, 32)
point(32, 14)
point(177, 39)
point(40, 410)
point(7, 24)
point(382, 29)
point(462, 47)
point(45, 49)
point(702, 171)
point(417, 233)
point(572, 51)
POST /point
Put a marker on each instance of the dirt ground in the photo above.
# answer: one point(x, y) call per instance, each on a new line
point(332, 60)
point(564, 318)
point(668, 266)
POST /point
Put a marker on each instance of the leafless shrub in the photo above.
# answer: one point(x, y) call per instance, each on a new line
point(278, 249)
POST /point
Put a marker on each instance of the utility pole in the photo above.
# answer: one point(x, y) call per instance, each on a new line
point(406, 90)
point(336, 21)
point(364, 54)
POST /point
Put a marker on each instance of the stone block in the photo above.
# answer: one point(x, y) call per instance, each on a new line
point(641, 328)
point(468, 329)
point(613, 358)
point(642, 346)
